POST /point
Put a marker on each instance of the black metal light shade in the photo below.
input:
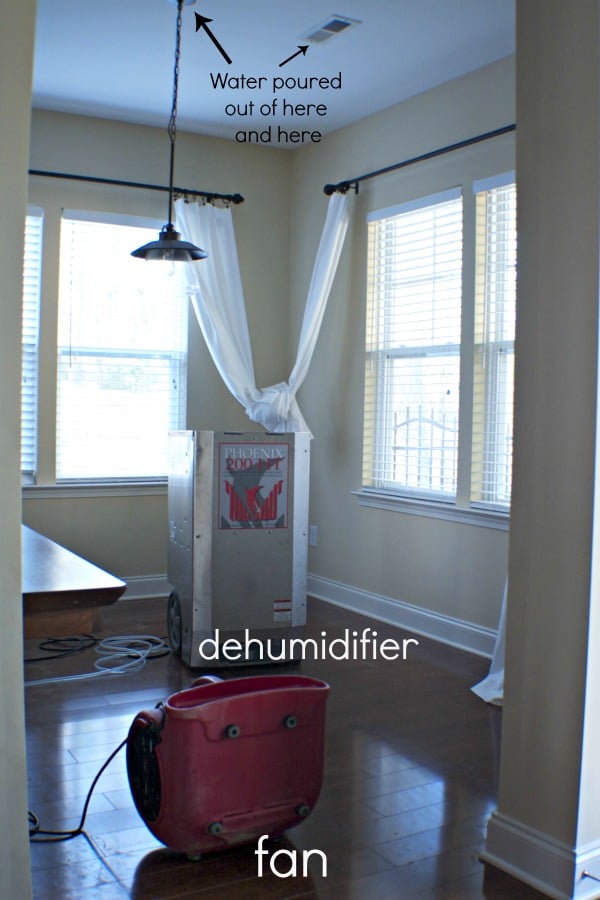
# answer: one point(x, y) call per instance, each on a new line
point(169, 246)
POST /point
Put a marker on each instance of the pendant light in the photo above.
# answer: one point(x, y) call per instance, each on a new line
point(169, 245)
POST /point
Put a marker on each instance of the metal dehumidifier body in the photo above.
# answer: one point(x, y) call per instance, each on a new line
point(238, 545)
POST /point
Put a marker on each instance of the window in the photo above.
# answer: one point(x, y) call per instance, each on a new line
point(122, 342)
point(32, 264)
point(422, 419)
point(413, 348)
point(495, 309)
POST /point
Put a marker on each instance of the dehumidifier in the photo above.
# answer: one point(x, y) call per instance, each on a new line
point(238, 545)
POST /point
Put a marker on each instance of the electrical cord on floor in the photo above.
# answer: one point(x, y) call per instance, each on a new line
point(120, 655)
point(64, 646)
point(39, 835)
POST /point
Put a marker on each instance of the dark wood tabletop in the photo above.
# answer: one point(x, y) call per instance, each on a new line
point(56, 578)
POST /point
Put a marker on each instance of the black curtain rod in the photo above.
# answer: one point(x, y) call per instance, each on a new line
point(231, 198)
point(343, 186)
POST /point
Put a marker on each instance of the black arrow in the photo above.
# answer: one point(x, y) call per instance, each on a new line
point(302, 48)
point(202, 22)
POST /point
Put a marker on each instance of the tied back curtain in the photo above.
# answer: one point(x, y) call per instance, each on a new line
point(216, 293)
point(217, 296)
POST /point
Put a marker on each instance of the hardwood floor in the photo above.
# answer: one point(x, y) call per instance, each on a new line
point(410, 779)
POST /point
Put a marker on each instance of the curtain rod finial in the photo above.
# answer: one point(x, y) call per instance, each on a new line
point(343, 187)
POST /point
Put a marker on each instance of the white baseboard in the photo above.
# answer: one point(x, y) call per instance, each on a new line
point(454, 632)
point(140, 587)
point(555, 869)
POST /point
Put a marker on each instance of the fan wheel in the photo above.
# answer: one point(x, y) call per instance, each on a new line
point(174, 627)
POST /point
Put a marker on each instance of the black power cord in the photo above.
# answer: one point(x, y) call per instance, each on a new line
point(39, 835)
point(135, 648)
point(65, 646)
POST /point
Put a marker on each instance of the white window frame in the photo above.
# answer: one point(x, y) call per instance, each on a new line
point(30, 335)
point(420, 481)
point(462, 508)
point(494, 346)
point(176, 360)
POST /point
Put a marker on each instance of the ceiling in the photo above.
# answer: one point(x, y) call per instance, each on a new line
point(115, 59)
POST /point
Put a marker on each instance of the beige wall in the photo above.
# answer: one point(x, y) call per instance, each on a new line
point(454, 569)
point(16, 53)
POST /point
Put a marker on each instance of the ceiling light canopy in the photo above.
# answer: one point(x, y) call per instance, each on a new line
point(169, 246)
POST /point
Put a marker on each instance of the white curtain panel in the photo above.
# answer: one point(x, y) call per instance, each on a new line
point(217, 295)
point(215, 287)
point(491, 689)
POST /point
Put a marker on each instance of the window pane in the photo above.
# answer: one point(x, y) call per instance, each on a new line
point(413, 350)
point(423, 417)
point(32, 264)
point(496, 255)
point(122, 336)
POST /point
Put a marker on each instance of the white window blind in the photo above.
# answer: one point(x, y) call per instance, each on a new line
point(122, 343)
point(496, 255)
point(413, 348)
point(32, 265)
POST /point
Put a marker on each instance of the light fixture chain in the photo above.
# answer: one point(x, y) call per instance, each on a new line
point(169, 245)
point(172, 129)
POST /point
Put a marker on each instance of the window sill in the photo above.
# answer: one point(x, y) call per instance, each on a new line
point(95, 489)
point(488, 518)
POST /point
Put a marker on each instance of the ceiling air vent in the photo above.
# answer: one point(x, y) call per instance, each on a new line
point(329, 28)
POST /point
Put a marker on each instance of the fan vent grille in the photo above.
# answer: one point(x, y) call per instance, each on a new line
point(329, 28)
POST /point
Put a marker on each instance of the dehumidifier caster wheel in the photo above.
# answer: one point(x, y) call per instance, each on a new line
point(174, 627)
